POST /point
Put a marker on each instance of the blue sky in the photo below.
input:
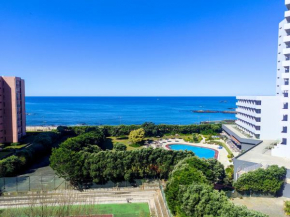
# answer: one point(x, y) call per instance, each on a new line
point(141, 47)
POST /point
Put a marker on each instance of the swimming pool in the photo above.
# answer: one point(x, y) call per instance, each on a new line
point(198, 151)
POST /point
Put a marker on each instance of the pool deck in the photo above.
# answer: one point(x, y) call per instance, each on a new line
point(220, 154)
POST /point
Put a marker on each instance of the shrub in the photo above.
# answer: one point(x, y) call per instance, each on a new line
point(120, 147)
point(267, 181)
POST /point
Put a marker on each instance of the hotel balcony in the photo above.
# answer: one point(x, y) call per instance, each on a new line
point(287, 27)
point(287, 15)
point(286, 63)
point(286, 39)
point(253, 104)
point(250, 128)
point(252, 113)
point(285, 75)
point(248, 105)
point(285, 87)
point(286, 51)
point(287, 3)
point(247, 119)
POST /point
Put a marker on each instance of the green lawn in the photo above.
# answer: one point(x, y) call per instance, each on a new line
point(118, 210)
point(110, 141)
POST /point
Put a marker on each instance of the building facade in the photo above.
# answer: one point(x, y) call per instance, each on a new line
point(283, 87)
point(259, 116)
point(268, 117)
point(12, 109)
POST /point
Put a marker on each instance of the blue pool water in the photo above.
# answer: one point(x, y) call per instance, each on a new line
point(125, 110)
point(199, 151)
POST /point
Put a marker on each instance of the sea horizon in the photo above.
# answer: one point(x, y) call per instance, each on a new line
point(117, 110)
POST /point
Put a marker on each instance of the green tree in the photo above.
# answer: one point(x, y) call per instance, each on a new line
point(202, 200)
point(137, 136)
point(183, 176)
point(268, 181)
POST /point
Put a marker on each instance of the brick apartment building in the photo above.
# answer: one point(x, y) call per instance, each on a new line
point(12, 109)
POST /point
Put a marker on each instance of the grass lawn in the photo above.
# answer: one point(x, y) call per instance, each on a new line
point(110, 141)
point(118, 210)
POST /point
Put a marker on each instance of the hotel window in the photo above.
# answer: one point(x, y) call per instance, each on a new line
point(284, 130)
point(284, 141)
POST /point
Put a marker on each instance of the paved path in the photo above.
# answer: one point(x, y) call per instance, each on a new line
point(270, 206)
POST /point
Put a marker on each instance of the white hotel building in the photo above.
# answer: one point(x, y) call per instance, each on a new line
point(262, 129)
point(268, 117)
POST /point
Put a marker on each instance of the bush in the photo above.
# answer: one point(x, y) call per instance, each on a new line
point(120, 147)
point(266, 181)
point(11, 165)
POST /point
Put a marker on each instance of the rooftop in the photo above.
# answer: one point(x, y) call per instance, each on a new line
point(262, 154)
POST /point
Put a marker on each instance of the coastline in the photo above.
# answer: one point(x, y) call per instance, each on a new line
point(76, 125)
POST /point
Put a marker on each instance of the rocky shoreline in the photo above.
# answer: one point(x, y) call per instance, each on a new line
point(214, 111)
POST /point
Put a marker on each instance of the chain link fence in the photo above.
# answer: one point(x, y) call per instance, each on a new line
point(50, 183)
point(164, 199)
point(31, 183)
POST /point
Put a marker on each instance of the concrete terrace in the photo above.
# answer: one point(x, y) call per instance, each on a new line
point(262, 154)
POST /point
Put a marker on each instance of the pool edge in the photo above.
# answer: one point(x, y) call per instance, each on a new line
point(216, 152)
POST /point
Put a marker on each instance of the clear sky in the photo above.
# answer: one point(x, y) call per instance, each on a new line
point(141, 47)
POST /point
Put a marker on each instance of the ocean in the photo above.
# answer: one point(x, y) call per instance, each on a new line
point(51, 111)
